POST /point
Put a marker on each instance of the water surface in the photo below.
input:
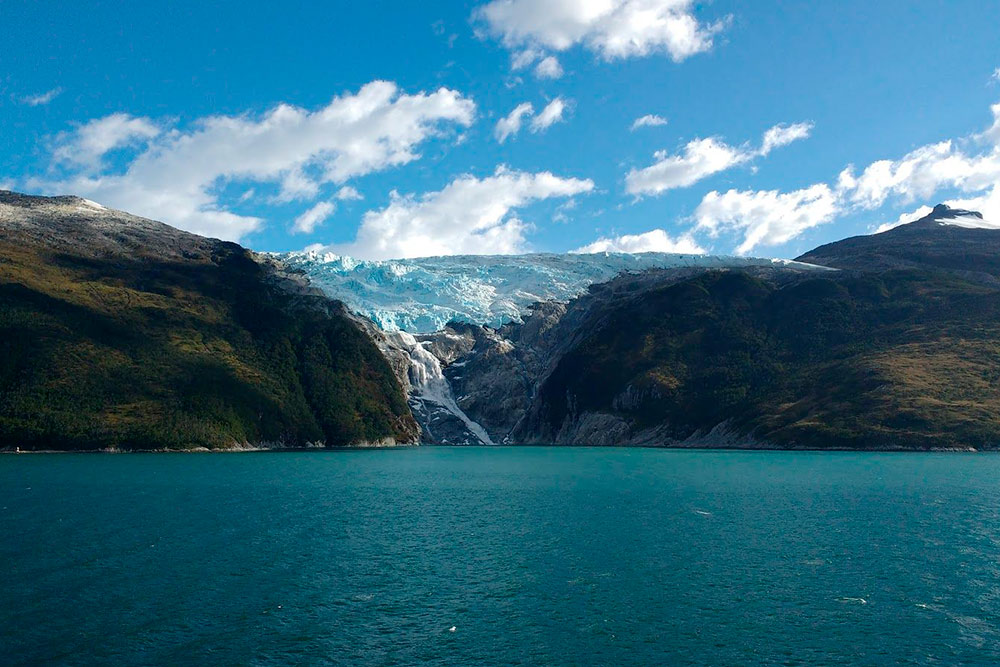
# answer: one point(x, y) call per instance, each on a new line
point(533, 555)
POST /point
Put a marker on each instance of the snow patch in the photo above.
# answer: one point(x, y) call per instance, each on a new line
point(968, 222)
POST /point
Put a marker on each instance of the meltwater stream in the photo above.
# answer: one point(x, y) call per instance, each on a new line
point(430, 389)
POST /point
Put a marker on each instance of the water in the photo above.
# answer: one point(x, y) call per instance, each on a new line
point(540, 556)
point(431, 391)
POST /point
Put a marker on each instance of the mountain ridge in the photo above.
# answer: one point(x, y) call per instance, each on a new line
point(121, 332)
point(124, 333)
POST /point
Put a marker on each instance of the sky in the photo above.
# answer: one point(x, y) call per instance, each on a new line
point(388, 129)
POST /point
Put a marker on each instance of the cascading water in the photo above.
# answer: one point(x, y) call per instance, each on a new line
point(431, 392)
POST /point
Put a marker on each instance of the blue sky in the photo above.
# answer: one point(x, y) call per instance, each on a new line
point(260, 122)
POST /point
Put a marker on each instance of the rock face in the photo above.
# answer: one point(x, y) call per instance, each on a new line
point(121, 332)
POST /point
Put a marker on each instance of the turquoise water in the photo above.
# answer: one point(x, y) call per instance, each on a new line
point(540, 556)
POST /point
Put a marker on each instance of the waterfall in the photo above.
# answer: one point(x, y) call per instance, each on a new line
point(429, 385)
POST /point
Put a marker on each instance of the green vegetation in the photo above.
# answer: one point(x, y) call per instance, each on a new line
point(193, 351)
point(905, 358)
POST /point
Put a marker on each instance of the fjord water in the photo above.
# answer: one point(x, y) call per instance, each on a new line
point(500, 556)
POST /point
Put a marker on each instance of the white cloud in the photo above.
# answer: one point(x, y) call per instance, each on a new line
point(89, 142)
point(41, 99)
point(6, 184)
point(175, 177)
point(921, 173)
point(469, 216)
point(771, 218)
point(649, 120)
point(903, 219)
point(510, 124)
point(523, 58)
point(550, 115)
point(548, 68)
point(996, 74)
point(782, 135)
point(766, 217)
point(702, 158)
point(308, 221)
point(655, 240)
point(613, 29)
point(348, 193)
point(992, 134)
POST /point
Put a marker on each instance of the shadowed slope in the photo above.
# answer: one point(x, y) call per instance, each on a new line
point(116, 331)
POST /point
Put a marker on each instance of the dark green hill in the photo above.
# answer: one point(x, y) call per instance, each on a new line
point(900, 351)
point(116, 331)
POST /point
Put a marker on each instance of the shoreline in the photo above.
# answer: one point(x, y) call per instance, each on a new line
point(725, 448)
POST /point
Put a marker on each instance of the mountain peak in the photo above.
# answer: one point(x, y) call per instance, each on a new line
point(945, 212)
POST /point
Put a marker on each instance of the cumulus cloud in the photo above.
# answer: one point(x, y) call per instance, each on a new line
point(992, 134)
point(548, 68)
point(702, 158)
point(921, 173)
point(308, 221)
point(348, 193)
point(970, 167)
point(469, 216)
point(782, 135)
point(41, 99)
point(766, 217)
point(612, 29)
point(89, 142)
point(903, 219)
point(510, 124)
point(655, 240)
point(649, 120)
point(175, 175)
point(549, 116)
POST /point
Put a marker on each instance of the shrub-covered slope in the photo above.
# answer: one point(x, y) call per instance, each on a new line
point(882, 358)
point(116, 331)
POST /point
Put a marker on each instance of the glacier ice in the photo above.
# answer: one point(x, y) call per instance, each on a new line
point(422, 295)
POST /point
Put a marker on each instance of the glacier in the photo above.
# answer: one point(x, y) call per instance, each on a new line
point(422, 295)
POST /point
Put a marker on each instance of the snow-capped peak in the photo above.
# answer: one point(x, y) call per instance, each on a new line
point(956, 217)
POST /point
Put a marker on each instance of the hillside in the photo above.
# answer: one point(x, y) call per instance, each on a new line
point(900, 352)
point(121, 332)
point(949, 239)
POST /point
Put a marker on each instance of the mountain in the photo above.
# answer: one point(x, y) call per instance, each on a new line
point(955, 240)
point(122, 332)
point(423, 295)
point(900, 350)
